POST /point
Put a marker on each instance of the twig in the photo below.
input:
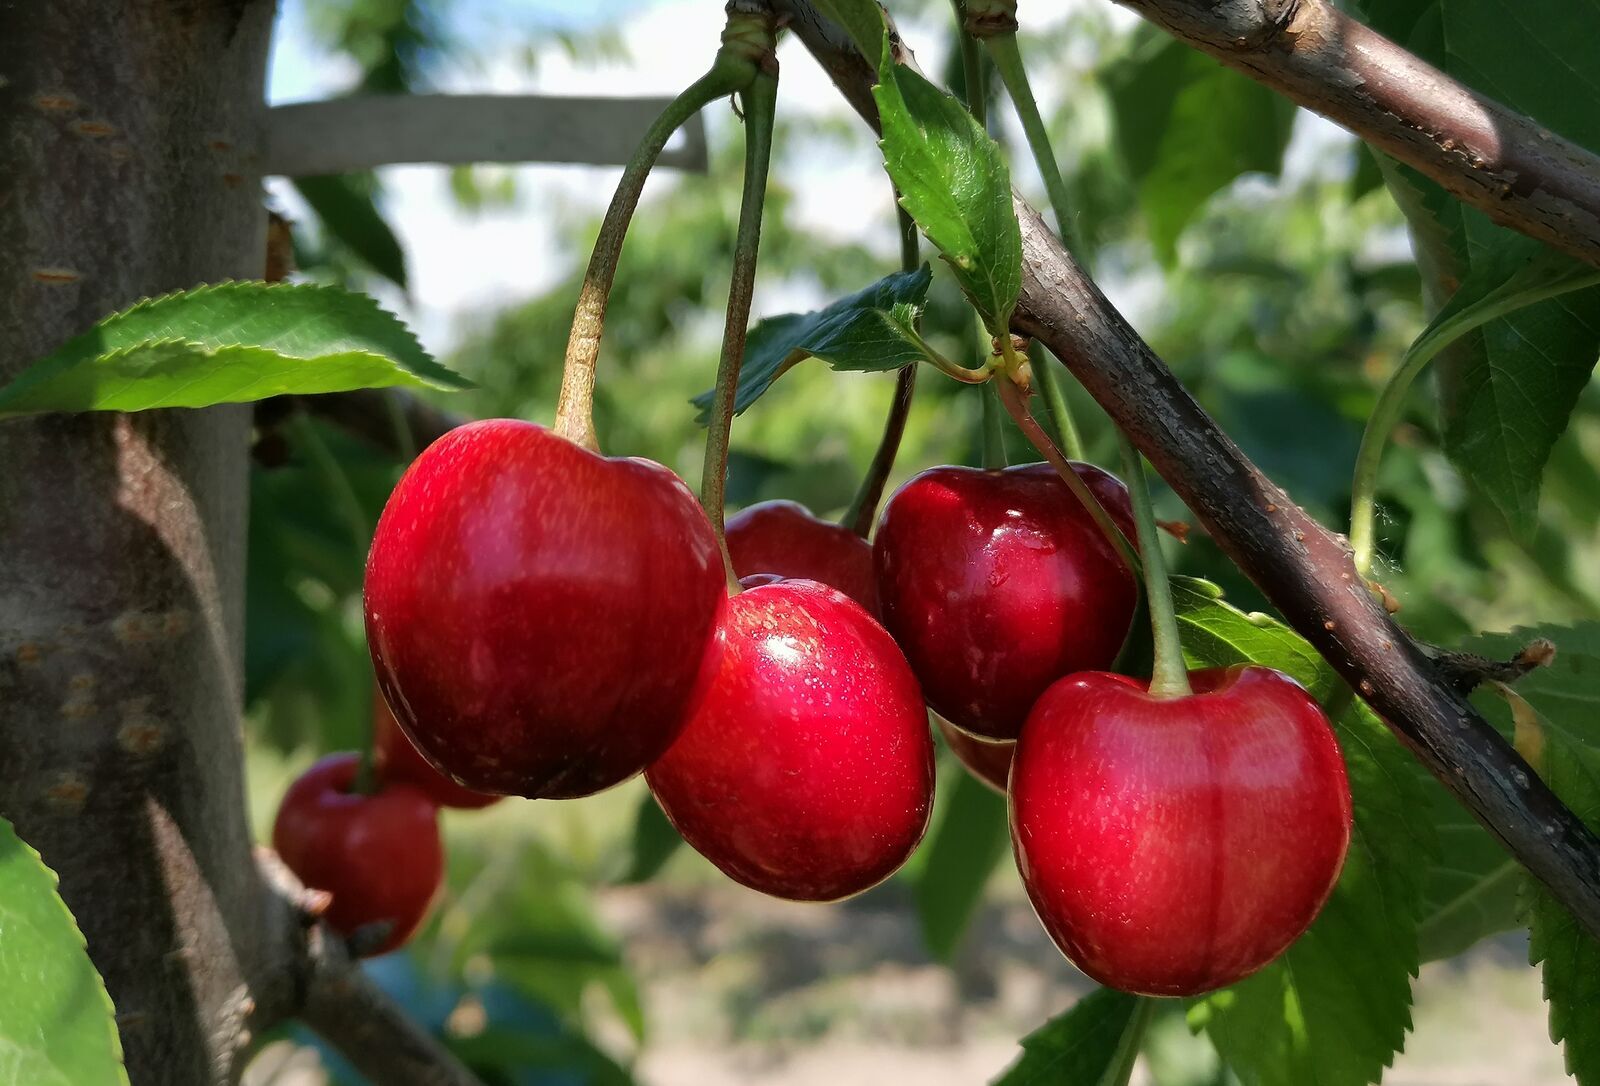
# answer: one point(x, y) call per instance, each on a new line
point(1302, 568)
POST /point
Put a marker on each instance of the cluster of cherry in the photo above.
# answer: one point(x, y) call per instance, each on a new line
point(548, 622)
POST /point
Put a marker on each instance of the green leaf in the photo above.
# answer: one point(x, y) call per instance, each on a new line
point(1566, 696)
point(229, 343)
point(1335, 1008)
point(1472, 890)
point(350, 215)
point(1217, 634)
point(1186, 126)
point(1082, 1045)
point(861, 19)
point(56, 1020)
point(654, 842)
point(1507, 390)
point(954, 182)
point(963, 850)
point(872, 329)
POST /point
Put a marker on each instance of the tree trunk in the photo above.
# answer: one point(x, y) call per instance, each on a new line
point(128, 167)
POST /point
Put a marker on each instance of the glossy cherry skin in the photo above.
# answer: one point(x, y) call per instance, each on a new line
point(807, 772)
point(540, 615)
point(397, 761)
point(998, 583)
point(783, 537)
point(1173, 846)
point(986, 759)
point(378, 855)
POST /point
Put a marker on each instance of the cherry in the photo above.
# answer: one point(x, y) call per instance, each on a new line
point(378, 855)
point(1172, 846)
point(397, 761)
point(985, 759)
point(998, 583)
point(783, 537)
point(540, 615)
point(807, 772)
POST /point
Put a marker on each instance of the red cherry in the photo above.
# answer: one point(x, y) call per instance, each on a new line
point(1172, 846)
point(397, 761)
point(378, 855)
point(985, 759)
point(807, 773)
point(783, 537)
point(998, 583)
point(540, 615)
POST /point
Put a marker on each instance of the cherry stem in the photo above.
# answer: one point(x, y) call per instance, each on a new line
point(1120, 1070)
point(994, 438)
point(1002, 49)
point(864, 506)
point(971, 66)
point(1016, 403)
point(745, 41)
point(1169, 677)
point(760, 102)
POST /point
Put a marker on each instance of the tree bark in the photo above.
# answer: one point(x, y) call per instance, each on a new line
point(129, 168)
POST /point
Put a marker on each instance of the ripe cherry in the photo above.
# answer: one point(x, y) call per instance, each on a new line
point(783, 537)
point(998, 583)
point(397, 761)
point(540, 615)
point(1172, 846)
point(378, 855)
point(807, 772)
point(986, 759)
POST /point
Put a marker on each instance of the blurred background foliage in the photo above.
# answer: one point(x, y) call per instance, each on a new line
point(1260, 254)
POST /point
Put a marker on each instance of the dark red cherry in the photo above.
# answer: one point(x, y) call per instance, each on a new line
point(783, 537)
point(998, 583)
point(807, 772)
point(1172, 846)
point(378, 855)
point(989, 760)
point(397, 761)
point(539, 615)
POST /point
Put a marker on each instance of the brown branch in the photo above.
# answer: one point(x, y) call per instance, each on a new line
point(330, 993)
point(1304, 569)
point(1500, 161)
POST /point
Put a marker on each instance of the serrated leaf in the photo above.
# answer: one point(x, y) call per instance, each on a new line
point(350, 215)
point(56, 1020)
point(963, 850)
point(1472, 889)
point(1162, 95)
point(954, 182)
point(1335, 1008)
point(1082, 1045)
point(873, 329)
point(1507, 390)
point(229, 343)
point(1566, 696)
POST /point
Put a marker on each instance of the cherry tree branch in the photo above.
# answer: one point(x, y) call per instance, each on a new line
point(326, 988)
point(1305, 570)
point(1500, 161)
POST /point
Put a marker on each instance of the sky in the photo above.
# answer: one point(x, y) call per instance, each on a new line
point(464, 265)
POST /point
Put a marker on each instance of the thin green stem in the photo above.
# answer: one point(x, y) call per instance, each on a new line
point(732, 71)
point(994, 438)
point(1055, 406)
point(1391, 401)
point(1120, 1069)
point(971, 66)
point(1016, 404)
point(760, 102)
point(1169, 678)
point(864, 506)
point(1007, 60)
